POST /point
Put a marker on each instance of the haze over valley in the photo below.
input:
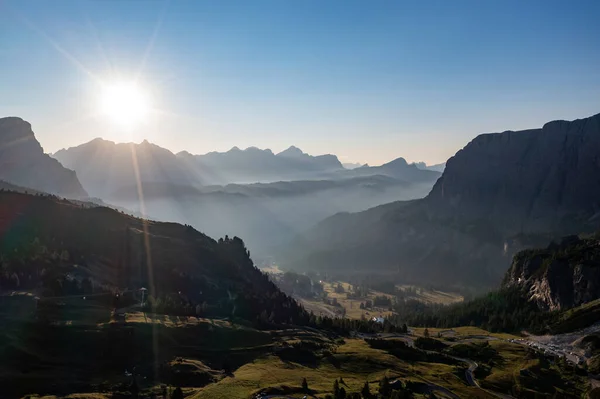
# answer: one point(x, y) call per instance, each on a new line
point(299, 200)
point(268, 198)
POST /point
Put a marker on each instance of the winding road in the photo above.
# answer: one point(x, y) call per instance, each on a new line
point(473, 381)
point(469, 372)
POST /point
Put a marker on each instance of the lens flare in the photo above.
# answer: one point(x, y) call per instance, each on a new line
point(125, 103)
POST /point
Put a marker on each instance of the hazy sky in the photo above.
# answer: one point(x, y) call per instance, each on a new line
point(366, 80)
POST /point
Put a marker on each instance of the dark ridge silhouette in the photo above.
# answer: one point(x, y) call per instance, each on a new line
point(23, 162)
point(503, 192)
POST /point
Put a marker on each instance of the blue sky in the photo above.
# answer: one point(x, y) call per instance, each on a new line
point(366, 80)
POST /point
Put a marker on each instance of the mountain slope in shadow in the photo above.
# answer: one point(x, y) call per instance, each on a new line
point(501, 193)
point(23, 162)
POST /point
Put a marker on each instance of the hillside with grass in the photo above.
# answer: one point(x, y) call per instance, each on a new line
point(54, 247)
point(366, 298)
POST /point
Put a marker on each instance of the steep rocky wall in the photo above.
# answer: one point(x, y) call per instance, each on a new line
point(560, 277)
point(23, 162)
point(529, 181)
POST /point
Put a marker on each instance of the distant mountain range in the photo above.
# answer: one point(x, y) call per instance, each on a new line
point(23, 162)
point(289, 193)
point(145, 179)
point(255, 165)
point(501, 193)
point(436, 168)
point(420, 165)
point(106, 168)
point(351, 165)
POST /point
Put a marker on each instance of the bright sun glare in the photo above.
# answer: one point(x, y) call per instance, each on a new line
point(125, 104)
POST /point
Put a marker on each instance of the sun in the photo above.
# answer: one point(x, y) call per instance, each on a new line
point(125, 103)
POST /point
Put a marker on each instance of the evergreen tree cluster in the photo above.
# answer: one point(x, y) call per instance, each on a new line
point(387, 390)
point(505, 310)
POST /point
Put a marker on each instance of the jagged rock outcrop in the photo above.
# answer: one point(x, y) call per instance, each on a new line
point(23, 162)
point(561, 276)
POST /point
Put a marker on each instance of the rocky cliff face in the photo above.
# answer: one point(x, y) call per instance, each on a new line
point(502, 193)
point(531, 181)
point(561, 276)
point(23, 162)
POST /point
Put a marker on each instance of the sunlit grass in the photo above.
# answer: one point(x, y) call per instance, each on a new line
point(352, 306)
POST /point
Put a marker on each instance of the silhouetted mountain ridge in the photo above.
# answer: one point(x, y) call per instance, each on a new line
point(503, 192)
point(436, 167)
point(255, 165)
point(23, 162)
point(531, 182)
point(104, 166)
point(289, 191)
point(397, 168)
point(116, 252)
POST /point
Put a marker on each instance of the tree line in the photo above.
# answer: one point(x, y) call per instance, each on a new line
point(506, 310)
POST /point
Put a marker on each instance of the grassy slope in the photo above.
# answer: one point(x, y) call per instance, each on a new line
point(195, 347)
point(578, 318)
point(84, 346)
point(355, 361)
point(434, 296)
point(352, 306)
point(460, 332)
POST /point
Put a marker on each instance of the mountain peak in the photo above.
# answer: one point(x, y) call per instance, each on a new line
point(258, 150)
point(17, 138)
point(398, 162)
point(100, 140)
point(291, 151)
point(14, 120)
point(23, 162)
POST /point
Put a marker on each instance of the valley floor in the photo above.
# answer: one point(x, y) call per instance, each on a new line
point(351, 308)
point(218, 359)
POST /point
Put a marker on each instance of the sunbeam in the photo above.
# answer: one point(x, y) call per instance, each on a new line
point(59, 48)
point(149, 267)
